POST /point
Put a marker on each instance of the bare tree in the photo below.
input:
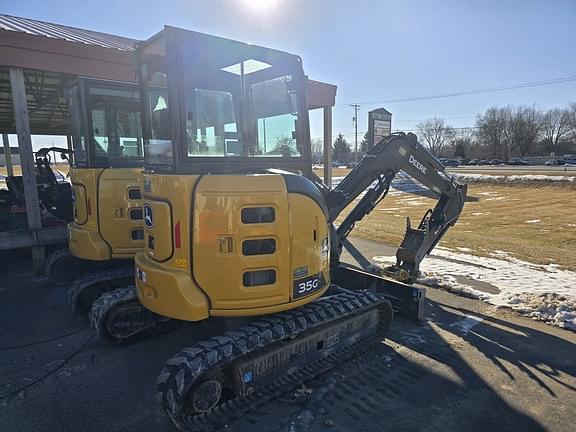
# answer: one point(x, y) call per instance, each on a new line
point(435, 133)
point(462, 143)
point(508, 131)
point(524, 125)
point(491, 131)
point(555, 127)
point(571, 110)
point(317, 147)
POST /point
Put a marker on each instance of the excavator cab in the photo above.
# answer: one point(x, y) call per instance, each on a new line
point(108, 159)
point(106, 230)
point(233, 225)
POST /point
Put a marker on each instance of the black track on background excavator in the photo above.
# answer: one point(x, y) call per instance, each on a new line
point(85, 290)
point(118, 318)
point(63, 267)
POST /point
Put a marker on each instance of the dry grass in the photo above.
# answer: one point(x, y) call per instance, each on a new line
point(496, 171)
point(497, 221)
point(336, 172)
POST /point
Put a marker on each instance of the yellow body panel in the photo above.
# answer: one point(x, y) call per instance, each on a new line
point(218, 268)
point(194, 271)
point(106, 220)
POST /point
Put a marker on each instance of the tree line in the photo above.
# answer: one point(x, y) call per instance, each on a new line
point(498, 133)
point(504, 133)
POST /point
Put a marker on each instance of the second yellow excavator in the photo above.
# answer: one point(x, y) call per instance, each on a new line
point(107, 228)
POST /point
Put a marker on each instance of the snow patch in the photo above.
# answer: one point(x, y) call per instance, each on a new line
point(518, 179)
point(468, 323)
point(532, 221)
point(552, 308)
point(542, 292)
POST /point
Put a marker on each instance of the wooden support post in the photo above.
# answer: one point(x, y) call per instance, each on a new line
point(7, 155)
point(328, 146)
point(69, 142)
point(22, 121)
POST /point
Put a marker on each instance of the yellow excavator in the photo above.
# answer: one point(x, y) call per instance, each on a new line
point(107, 228)
point(237, 227)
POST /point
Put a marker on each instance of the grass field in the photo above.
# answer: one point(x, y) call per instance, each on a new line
point(341, 172)
point(533, 224)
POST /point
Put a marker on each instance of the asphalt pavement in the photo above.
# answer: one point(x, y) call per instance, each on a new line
point(467, 367)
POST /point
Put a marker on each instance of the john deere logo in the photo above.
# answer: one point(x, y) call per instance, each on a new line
point(148, 216)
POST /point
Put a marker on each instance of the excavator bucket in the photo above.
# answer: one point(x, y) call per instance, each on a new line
point(406, 300)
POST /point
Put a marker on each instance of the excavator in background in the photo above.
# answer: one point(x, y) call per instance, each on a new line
point(107, 228)
point(238, 228)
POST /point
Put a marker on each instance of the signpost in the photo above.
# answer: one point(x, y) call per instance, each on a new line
point(379, 125)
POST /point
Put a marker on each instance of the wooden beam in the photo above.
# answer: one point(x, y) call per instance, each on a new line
point(328, 146)
point(7, 155)
point(22, 121)
point(33, 238)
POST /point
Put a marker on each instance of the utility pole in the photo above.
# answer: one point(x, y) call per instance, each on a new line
point(355, 119)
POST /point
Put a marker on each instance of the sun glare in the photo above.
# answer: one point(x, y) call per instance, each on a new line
point(260, 6)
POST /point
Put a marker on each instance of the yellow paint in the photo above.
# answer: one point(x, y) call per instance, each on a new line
point(205, 275)
point(102, 226)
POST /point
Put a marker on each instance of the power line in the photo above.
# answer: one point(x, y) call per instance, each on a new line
point(472, 92)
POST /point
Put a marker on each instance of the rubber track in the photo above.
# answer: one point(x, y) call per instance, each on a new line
point(52, 261)
point(181, 371)
point(94, 284)
point(120, 296)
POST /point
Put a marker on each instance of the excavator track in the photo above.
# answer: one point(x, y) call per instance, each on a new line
point(63, 267)
point(119, 319)
point(88, 288)
point(213, 382)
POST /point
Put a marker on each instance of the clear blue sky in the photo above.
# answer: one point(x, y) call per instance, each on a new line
point(373, 50)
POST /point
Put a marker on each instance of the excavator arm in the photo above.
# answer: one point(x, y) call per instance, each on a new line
point(373, 176)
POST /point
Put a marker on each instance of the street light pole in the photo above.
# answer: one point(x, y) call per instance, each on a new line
point(356, 107)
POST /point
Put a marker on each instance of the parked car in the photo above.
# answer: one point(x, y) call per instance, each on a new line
point(517, 161)
point(483, 162)
point(473, 162)
point(570, 161)
point(450, 163)
point(552, 162)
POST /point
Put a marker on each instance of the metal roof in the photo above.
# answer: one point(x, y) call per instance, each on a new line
point(71, 34)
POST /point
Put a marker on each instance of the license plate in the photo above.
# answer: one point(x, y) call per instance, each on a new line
point(307, 286)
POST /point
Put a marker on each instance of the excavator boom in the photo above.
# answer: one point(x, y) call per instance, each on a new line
point(373, 176)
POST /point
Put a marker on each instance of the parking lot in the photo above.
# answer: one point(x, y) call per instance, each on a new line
point(503, 371)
